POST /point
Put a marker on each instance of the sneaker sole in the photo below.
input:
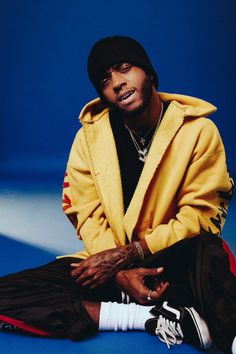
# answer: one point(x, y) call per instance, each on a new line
point(202, 329)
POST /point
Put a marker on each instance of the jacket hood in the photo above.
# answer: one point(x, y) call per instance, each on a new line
point(191, 107)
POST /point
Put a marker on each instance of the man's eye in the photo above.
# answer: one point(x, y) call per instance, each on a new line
point(124, 68)
point(105, 80)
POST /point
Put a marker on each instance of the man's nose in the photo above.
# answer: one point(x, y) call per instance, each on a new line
point(118, 81)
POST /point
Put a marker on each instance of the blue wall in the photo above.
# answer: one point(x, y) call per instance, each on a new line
point(44, 84)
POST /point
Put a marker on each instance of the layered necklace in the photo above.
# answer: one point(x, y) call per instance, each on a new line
point(140, 141)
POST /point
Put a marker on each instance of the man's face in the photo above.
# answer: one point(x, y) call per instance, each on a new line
point(127, 88)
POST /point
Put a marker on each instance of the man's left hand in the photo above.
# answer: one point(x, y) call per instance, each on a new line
point(132, 282)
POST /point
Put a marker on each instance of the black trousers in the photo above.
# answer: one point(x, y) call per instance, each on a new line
point(201, 272)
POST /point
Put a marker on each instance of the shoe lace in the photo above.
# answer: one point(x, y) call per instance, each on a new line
point(168, 331)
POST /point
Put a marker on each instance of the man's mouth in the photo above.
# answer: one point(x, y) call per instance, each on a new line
point(124, 96)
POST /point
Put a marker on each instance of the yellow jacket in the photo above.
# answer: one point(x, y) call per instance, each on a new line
point(184, 188)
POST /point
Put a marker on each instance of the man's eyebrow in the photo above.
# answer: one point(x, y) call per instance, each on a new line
point(117, 66)
point(114, 67)
point(105, 74)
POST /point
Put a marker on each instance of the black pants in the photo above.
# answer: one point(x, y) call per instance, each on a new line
point(47, 301)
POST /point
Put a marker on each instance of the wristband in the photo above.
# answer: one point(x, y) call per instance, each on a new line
point(140, 250)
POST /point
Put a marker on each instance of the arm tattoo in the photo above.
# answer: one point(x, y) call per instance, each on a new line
point(121, 258)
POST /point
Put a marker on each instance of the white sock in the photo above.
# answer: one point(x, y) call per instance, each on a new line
point(123, 317)
point(234, 346)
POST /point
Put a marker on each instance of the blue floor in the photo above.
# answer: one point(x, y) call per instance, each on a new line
point(16, 255)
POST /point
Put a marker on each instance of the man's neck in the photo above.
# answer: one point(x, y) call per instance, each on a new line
point(145, 120)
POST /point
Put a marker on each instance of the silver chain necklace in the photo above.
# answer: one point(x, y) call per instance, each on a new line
point(142, 139)
point(143, 152)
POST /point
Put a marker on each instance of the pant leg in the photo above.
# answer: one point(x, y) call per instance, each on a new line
point(216, 289)
point(201, 274)
point(176, 260)
point(48, 299)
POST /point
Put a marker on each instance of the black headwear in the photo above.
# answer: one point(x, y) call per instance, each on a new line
point(115, 50)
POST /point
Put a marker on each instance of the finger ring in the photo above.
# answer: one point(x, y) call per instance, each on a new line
point(149, 295)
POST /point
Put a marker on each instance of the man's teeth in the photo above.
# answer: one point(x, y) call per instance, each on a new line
point(126, 95)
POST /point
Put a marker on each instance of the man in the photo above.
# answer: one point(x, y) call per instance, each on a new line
point(147, 190)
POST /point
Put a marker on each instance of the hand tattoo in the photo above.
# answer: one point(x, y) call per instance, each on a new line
point(100, 267)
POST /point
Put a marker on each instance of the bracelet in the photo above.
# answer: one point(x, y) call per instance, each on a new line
point(140, 250)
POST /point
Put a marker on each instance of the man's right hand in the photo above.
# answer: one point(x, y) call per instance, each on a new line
point(132, 282)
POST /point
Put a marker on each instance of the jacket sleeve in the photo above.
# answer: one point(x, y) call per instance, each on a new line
point(81, 202)
point(203, 196)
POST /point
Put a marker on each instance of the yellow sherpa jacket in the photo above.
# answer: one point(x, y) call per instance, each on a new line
point(184, 188)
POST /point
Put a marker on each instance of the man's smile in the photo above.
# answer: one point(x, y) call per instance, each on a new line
point(126, 96)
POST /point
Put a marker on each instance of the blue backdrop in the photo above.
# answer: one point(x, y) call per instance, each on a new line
point(44, 84)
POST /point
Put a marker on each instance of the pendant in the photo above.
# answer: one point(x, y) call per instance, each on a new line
point(143, 159)
point(142, 141)
point(143, 155)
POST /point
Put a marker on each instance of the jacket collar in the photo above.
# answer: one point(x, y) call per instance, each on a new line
point(171, 123)
point(102, 150)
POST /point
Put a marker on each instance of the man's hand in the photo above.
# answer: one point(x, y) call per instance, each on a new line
point(100, 267)
point(132, 282)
